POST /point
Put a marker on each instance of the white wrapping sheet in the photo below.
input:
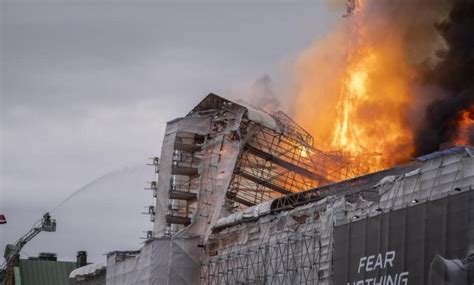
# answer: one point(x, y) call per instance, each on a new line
point(88, 270)
point(166, 261)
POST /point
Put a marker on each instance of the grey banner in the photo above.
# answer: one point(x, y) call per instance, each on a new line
point(431, 243)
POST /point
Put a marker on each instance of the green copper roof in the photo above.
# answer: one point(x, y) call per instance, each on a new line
point(45, 272)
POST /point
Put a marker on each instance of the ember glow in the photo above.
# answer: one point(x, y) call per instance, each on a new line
point(465, 130)
point(304, 152)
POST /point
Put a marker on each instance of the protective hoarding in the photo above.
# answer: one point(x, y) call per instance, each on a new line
point(430, 243)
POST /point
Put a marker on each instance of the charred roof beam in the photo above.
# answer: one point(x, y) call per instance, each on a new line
point(289, 166)
point(234, 197)
point(265, 183)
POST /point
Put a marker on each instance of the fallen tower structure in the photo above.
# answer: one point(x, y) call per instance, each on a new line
point(243, 197)
point(226, 156)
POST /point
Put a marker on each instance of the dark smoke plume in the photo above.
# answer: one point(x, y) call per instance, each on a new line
point(454, 75)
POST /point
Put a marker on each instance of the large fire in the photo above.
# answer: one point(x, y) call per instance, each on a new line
point(355, 99)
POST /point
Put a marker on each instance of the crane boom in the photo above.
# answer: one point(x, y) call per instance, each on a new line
point(12, 251)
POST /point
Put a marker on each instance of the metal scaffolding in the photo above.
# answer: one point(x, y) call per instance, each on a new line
point(292, 255)
point(279, 162)
point(311, 242)
point(244, 155)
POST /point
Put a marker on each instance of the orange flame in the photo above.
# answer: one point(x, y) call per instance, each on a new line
point(356, 101)
point(353, 94)
point(465, 127)
point(304, 152)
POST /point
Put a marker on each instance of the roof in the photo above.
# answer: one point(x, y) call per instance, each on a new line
point(83, 272)
point(440, 153)
point(213, 101)
point(123, 252)
point(347, 187)
point(45, 272)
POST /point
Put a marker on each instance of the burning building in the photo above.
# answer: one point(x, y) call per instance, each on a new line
point(244, 197)
point(248, 197)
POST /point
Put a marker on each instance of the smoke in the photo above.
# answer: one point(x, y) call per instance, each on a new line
point(453, 74)
point(261, 94)
point(335, 4)
point(411, 23)
point(264, 96)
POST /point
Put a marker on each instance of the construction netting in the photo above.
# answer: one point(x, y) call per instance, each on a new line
point(299, 246)
point(160, 261)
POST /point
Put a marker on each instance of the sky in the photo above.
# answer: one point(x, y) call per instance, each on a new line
point(88, 86)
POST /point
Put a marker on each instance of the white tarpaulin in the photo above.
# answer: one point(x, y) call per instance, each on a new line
point(166, 261)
